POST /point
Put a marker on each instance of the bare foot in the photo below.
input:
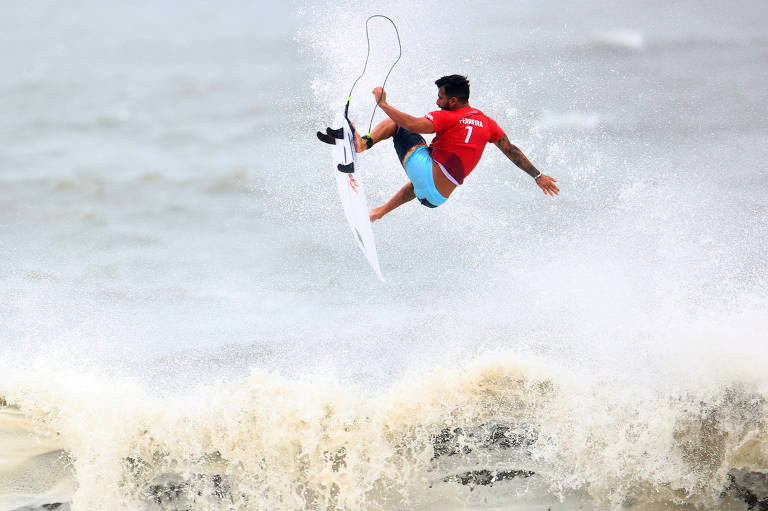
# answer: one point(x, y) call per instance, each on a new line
point(375, 214)
point(360, 144)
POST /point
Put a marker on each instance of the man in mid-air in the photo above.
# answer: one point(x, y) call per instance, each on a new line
point(461, 131)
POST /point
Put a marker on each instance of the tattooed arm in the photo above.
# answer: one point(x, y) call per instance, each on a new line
point(516, 156)
point(511, 151)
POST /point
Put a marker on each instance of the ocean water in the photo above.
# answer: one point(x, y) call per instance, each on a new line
point(187, 324)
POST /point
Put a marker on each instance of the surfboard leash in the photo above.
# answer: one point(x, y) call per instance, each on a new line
point(365, 66)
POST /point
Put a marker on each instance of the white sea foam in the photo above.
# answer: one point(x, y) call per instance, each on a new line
point(266, 442)
point(577, 121)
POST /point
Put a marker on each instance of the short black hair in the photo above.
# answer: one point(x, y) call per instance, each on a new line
point(455, 86)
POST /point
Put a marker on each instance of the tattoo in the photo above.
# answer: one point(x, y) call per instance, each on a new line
point(516, 156)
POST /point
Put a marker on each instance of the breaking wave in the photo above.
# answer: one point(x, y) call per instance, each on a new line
point(520, 424)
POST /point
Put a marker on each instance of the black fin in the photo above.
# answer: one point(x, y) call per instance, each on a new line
point(339, 133)
point(326, 138)
point(349, 168)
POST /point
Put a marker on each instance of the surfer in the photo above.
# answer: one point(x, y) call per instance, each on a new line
point(462, 132)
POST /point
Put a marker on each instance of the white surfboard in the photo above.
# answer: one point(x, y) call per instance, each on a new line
point(350, 185)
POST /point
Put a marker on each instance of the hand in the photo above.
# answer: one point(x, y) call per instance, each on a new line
point(547, 185)
point(380, 96)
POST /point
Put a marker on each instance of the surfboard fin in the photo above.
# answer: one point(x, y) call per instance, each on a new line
point(326, 138)
point(335, 133)
point(349, 168)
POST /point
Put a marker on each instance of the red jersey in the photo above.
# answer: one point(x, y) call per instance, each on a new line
point(461, 138)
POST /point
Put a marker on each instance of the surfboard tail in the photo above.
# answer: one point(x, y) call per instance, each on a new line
point(349, 183)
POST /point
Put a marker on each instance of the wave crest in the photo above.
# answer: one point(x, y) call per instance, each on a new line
point(266, 442)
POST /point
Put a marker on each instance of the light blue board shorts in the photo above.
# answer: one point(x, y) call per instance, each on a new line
point(414, 155)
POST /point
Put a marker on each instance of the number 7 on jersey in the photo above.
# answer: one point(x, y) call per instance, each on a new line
point(469, 133)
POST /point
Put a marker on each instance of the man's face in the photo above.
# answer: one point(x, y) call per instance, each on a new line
point(442, 101)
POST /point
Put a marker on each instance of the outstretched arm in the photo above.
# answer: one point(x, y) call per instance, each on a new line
point(404, 195)
point(409, 122)
point(546, 183)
